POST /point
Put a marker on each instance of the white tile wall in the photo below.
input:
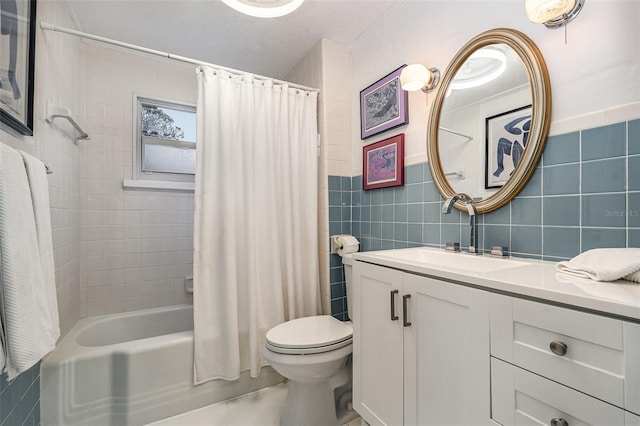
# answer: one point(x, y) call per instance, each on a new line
point(336, 69)
point(137, 246)
point(59, 66)
point(308, 72)
point(327, 67)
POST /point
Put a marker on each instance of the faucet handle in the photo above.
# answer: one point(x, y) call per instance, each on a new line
point(452, 247)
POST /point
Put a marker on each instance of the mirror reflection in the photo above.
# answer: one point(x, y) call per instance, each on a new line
point(490, 119)
point(489, 95)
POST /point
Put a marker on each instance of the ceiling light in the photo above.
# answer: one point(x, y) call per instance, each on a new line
point(264, 8)
point(553, 13)
point(417, 76)
point(480, 68)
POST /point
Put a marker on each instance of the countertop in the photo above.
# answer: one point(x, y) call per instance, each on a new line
point(528, 278)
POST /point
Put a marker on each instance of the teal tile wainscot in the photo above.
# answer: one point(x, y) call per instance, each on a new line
point(20, 398)
point(584, 194)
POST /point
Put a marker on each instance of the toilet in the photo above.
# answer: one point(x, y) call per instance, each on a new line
point(313, 353)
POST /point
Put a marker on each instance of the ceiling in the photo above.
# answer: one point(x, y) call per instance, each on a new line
point(210, 31)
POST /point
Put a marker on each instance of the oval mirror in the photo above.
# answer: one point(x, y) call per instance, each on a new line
point(490, 119)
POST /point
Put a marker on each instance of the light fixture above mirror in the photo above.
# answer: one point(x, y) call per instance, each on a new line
point(264, 8)
point(553, 13)
point(418, 77)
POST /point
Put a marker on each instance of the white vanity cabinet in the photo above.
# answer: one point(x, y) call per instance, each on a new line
point(420, 349)
point(561, 366)
point(485, 341)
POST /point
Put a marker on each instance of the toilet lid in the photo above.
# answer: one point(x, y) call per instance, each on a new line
point(309, 335)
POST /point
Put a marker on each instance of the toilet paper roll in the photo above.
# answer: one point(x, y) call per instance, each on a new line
point(348, 244)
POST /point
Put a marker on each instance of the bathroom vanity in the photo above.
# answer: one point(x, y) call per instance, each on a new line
point(451, 338)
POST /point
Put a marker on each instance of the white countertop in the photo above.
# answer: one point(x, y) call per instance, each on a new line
point(526, 277)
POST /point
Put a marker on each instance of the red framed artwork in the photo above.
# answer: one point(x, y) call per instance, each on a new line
point(383, 163)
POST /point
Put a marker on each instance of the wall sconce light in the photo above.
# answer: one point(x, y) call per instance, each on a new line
point(418, 77)
point(553, 13)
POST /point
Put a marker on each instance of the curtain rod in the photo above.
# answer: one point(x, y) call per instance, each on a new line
point(51, 27)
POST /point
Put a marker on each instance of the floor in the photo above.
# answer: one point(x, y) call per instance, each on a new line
point(261, 408)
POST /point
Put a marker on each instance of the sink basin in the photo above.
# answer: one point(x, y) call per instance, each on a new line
point(460, 260)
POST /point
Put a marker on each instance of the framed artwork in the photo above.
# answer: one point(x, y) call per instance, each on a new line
point(383, 105)
point(17, 64)
point(506, 138)
point(383, 163)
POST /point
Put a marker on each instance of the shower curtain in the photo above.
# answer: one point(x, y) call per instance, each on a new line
point(255, 226)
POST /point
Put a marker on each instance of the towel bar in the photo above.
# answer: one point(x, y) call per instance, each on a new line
point(469, 138)
point(458, 173)
point(61, 112)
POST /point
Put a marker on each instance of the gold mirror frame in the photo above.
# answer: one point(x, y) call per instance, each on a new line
point(541, 112)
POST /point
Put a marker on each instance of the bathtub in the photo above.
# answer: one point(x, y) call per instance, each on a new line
point(131, 369)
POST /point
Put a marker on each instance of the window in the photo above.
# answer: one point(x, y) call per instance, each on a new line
point(166, 140)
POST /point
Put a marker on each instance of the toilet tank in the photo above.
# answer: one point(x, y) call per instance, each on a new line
point(347, 261)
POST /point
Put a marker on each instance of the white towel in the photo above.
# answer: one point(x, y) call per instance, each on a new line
point(24, 308)
point(39, 185)
point(605, 264)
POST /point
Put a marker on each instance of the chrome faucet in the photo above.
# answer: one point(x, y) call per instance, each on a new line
point(471, 209)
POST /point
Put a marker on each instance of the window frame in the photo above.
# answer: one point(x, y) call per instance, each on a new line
point(141, 141)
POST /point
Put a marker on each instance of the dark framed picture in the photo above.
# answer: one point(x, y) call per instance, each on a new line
point(383, 105)
point(383, 163)
point(506, 138)
point(17, 64)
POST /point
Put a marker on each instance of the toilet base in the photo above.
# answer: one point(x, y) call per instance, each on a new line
point(309, 404)
point(320, 404)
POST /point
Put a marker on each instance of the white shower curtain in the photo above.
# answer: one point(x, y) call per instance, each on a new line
point(256, 210)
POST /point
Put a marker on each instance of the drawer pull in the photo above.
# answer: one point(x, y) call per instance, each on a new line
point(560, 349)
point(405, 314)
point(394, 317)
point(558, 422)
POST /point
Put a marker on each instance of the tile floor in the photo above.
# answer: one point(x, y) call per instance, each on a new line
point(261, 408)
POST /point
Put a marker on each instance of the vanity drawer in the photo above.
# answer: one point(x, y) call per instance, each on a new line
point(519, 397)
point(594, 354)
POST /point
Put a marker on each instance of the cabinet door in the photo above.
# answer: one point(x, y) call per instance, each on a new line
point(523, 398)
point(631, 333)
point(446, 354)
point(377, 344)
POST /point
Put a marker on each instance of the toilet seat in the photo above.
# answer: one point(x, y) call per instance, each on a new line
point(309, 335)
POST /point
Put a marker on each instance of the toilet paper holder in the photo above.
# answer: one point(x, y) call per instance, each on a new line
point(340, 243)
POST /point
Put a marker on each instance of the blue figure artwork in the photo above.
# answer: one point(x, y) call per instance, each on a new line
point(512, 146)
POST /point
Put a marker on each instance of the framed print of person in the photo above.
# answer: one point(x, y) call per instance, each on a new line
point(506, 138)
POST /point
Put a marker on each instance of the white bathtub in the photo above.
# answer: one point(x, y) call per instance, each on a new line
point(131, 369)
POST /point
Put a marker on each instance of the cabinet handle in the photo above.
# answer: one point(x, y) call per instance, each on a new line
point(394, 317)
point(404, 310)
point(558, 422)
point(559, 348)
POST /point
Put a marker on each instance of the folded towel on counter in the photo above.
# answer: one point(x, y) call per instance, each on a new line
point(25, 308)
point(605, 264)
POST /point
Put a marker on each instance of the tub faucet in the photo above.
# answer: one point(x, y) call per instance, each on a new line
point(471, 209)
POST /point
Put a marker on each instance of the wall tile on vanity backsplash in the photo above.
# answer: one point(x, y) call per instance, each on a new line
point(584, 194)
